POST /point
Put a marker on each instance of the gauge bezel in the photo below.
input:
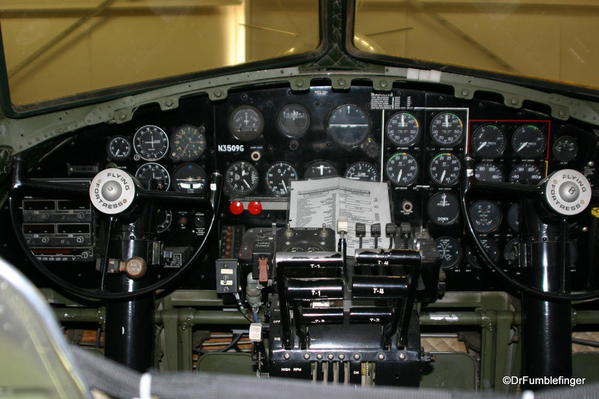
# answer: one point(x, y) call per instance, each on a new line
point(495, 221)
point(520, 130)
point(453, 143)
point(245, 136)
point(487, 163)
point(281, 128)
point(525, 164)
point(390, 177)
point(370, 164)
point(320, 161)
point(235, 191)
point(558, 141)
point(184, 165)
point(430, 205)
point(270, 187)
point(168, 186)
point(498, 151)
point(115, 157)
point(161, 131)
point(453, 182)
point(413, 140)
point(339, 140)
point(174, 151)
point(460, 252)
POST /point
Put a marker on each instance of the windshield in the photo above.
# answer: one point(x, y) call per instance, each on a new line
point(55, 49)
point(552, 39)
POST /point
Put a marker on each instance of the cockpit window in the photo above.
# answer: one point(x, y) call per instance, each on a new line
point(55, 49)
point(550, 40)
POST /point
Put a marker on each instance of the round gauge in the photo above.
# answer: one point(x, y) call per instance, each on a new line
point(362, 170)
point(445, 169)
point(491, 248)
point(150, 142)
point(565, 149)
point(246, 123)
point(190, 178)
point(485, 216)
point(402, 169)
point(447, 129)
point(165, 219)
point(153, 176)
point(526, 173)
point(511, 252)
point(443, 209)
point(450, 250)
point(188, 143)
point(513, 217)
point(242, 178)
point(278, 178)
point(348, 125)
point(488, 141)
point(403, 129)
point(293, 120)
point(319, 169)
point(528, 141)
point(488, 172)
point(119, 148)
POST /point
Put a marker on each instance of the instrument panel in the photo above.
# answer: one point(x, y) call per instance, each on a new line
point(263, 139)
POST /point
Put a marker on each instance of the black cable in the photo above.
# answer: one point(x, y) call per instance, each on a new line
point(586, 342)
point(548, 296)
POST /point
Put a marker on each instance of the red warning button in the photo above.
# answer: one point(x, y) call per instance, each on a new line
point(236, 207)
point(255, 208)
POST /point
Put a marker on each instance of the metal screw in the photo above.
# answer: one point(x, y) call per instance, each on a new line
point(306, 356)
point(591, 164)
point(341, 356)
point(286, 356)
point(319, 356)
point(330, 356)
point(356, 356)
point(585, 229)
point(402, 356)
point(169, 103)
point(384, 83)
point(381, 356)
point(464, 92)
point(218, 93)
point(514, 101)
point(341, 82)
point(299, 83)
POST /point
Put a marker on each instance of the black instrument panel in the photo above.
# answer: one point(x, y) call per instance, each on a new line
point(262, 139)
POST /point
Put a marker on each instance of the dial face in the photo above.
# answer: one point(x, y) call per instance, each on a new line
point(511, 252)
point(402, 169)
point(190, 178)
point(565, 149)
point(488, 172)
point(491, 248)
point(246, 123)
point(526, 173)
point(450, 250)
point(242, 178)
point(279, 177)
point(362, 170)
point(119, 148)
point(188, 143)
point(150, 142)
point(153, 176)
point(443, 209)
point(528, 142)
point(403, 129)
point(165, 219)
point(319, 169)
point(293, 120)
point(445, 169)
point(513, 217)
point(348, 125)
point(488, 141)
point(447, 129)
point(485, 216)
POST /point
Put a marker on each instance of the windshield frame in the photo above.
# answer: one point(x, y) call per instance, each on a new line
point(582, 92)
point(97, 96)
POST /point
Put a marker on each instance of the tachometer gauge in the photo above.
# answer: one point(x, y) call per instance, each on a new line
point(153, 176)
point(362, 170)
point(403, 129)
point(565, 149)
point(450, 251)
point(279, 177)
point(528, 142)
point(246, 123)
point(242, 178)
point(150, 142)
point(447, 129)
point(488, 141)
point(293, 120)
point(188, 143)
point(190, 178)
point(402, 169)
point(445, 169)
point(348, 125)
point(485, 216)
point(119, 148)
point(526, 173)
point(443, 209)
point(318, 169)
point(488, 172)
